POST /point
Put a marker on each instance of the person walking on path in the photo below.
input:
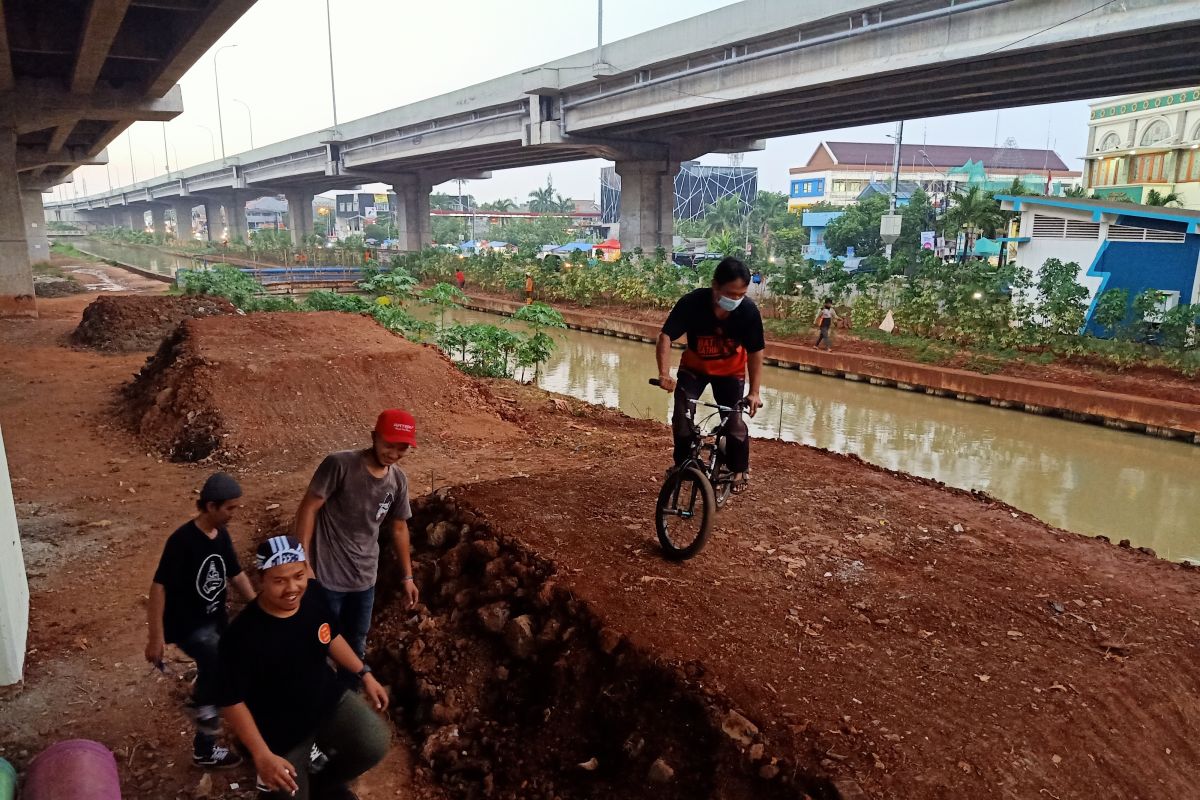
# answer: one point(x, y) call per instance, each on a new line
point(280, 696)
point(187, 605)
point(528, 288)
point(826, 317)
point(460, 278)
point(724, 343)
point(353, 496)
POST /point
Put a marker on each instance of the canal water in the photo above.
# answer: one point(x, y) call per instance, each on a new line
point(1084, 478)
point(146, 258)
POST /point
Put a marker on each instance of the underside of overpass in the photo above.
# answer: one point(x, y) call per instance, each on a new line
point(74, 74)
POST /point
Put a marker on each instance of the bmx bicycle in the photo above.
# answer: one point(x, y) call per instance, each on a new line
point(693, 491)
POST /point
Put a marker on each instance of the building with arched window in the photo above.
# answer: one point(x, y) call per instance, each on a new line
point(1143, 143)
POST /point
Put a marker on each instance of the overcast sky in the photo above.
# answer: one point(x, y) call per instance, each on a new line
point(388, 54)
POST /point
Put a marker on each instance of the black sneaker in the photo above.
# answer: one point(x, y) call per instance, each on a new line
point(217, 758)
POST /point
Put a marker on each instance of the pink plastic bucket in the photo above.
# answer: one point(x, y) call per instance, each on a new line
point(76, 769)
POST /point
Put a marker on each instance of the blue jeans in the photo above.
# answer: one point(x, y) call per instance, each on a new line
point(353, 613)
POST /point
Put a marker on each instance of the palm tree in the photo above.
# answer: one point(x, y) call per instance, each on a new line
point(503, 204)
point(770, 209)
point(1156, 198)
point(725, 215)
point(975, 210)
point(544, 200)
point(1075, 191)
point(563, 205)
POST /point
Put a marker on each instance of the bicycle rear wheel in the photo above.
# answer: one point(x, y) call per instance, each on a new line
point(684, 514)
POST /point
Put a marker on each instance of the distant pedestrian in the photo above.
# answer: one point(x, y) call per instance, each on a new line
point(528, 288)
point(460, 278)
point(826, 317)
point(355, 496)
point(187, 606)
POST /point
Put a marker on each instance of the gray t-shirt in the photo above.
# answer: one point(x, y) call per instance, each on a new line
point(345, 543)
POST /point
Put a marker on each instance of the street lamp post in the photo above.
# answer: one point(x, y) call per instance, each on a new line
point(212, 142)
point(129, 141)
point(217, 81)
point(249, 117)
point(166, 153)
point(332, 85)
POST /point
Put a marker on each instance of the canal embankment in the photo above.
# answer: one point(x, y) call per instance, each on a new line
point(1155, 417)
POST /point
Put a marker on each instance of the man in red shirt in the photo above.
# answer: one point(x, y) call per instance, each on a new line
point(724, 343)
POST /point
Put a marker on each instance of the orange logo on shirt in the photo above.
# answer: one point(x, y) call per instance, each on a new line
point(324, 634)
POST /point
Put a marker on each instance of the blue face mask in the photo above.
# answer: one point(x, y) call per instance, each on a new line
point(728, 303)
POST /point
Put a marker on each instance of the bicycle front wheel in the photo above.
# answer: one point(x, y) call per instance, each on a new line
point(685, 511)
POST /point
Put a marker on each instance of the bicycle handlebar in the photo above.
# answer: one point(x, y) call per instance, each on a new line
point(741, 404)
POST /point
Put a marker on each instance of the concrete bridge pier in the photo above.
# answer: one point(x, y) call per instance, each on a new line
point(212, 219)
point(300, 214)
point(158, 220)
point(183, 219)
point(647, 204)
point(35, 225)
point(412, 211)
point(16, 273)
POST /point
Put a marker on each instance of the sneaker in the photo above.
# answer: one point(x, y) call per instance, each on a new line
point(217, 758)
point(316, 760)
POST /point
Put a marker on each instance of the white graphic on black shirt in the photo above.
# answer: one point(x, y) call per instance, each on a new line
point(210, 580)
point(384, 506)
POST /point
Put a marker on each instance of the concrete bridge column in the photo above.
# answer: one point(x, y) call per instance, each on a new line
point(235, 217)
point(35, 225)
point(134, 218)
point(647, 204)
point(212, 219)
point(300, 215)
point(158, 221)
point(16, 276)
point(412, 212)
point(183, 219)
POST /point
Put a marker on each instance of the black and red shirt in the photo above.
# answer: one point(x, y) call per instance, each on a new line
point(717, 347)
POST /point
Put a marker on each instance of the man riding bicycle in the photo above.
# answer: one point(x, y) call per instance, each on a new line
point(724, 341)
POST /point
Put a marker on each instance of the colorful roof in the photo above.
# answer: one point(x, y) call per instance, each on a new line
point(880, 154)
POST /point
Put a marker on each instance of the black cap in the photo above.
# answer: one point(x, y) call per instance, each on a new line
point(219, 488)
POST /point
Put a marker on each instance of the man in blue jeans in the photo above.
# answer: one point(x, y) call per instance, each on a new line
point(188, 605)
point(354, 496)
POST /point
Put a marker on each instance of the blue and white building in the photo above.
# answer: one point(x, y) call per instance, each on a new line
point(1117, 245)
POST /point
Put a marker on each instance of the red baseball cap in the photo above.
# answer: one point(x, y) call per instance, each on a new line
point(396, 426)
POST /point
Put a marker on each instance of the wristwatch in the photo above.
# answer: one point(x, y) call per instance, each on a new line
point(363, 672)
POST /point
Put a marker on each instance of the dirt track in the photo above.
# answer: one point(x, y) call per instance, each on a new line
point(838, 607)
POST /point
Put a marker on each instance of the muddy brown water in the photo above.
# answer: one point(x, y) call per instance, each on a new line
point(1083, 478)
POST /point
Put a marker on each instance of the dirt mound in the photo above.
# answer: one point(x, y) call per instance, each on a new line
point(254, 387)
point(138, 322)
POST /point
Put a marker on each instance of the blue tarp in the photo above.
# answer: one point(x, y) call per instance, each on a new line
point(572, 247)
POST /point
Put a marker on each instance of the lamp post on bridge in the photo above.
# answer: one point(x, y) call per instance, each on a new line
point(212, 142)
point(217, 81)
point(249, 117)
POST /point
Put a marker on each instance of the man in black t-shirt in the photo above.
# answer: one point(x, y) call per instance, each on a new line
point(187, 605)
point(724, 343)
point(279, 694)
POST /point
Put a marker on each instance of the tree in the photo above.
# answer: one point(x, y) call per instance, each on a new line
point(1062, 302)
point(858, 227)
point(1075, 191)
point(1157, 198)
point(1111, 309)
point(545, 200)
point(503, 204)
point(975, 211)
point(448, 230)
point(724, 216)
point(918, 215)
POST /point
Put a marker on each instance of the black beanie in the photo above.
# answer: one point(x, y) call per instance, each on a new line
point(219, 488)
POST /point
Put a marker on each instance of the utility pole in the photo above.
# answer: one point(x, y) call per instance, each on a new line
point(166, 155)
point(129, 141)
point(599, 31)
point(889, 225)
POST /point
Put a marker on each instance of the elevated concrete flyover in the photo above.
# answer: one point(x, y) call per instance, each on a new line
point(73, 76)
point(902, 60)
point(723, 82)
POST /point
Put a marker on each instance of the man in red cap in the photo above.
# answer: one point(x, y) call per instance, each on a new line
point(353, 494)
